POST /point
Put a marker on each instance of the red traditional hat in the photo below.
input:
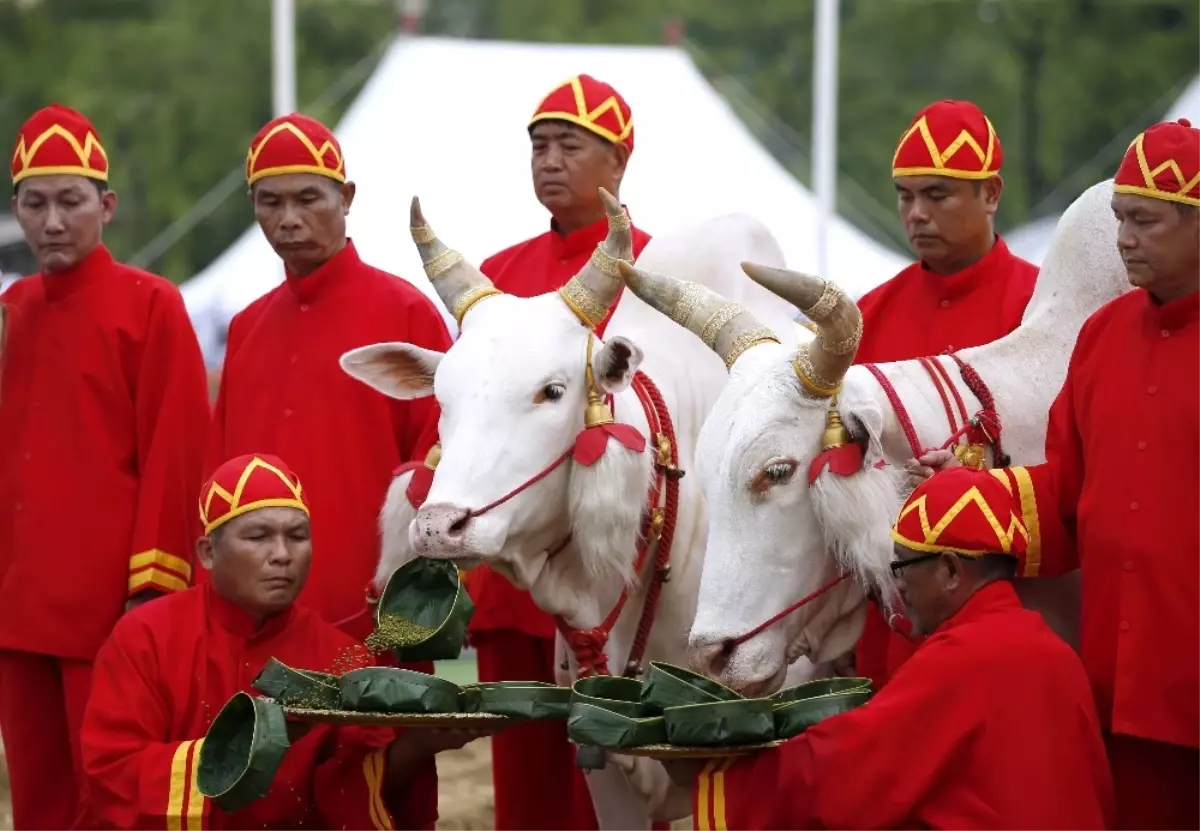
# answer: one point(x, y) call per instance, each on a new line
point(57, 140)
point(248, 483)
point(591, 104)
point(949, 138)
point(962, 510)
point(1163, 163)
point(294, 143)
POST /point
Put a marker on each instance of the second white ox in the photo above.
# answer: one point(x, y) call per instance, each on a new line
point(774, 539)
point(513, 391)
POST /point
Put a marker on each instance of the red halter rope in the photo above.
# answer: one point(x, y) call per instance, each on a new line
point(984, 428)
point(658, 525)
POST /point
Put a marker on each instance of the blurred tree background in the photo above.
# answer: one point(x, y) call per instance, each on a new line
point(178, 87)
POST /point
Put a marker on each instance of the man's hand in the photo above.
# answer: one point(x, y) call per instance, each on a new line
point(142, 597)
point(921, 469)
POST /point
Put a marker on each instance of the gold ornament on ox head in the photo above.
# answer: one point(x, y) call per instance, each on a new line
point(835, 433)
point(597, 412)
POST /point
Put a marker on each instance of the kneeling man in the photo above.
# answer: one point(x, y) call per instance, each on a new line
point(990, 724)
point(168, 667)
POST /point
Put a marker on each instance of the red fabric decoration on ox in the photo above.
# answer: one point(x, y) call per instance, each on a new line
point(841, 461)
point(418, 487)
point(591, 442)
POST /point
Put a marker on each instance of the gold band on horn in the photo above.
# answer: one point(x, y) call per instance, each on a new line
point(422, 234)
point(469, 299)
point(585, 305)
point(846, 346)
point(830, 295)
point(813, 383)
point(439, 265)
point(751, 337)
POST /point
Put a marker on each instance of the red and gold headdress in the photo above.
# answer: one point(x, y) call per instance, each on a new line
point(949, 138)
point(962, 510)
point(245, 484)
point(294, 143)
point(58, 140)
point(1163, 163)
point(591, 104)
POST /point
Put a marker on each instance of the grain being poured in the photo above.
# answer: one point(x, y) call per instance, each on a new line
point(395, 631)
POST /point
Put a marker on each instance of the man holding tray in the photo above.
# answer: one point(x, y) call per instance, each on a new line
point(990, 724)
point(169, 667)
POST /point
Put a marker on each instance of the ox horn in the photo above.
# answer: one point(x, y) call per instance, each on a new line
point(459, 284)
point(591, 293)
point(821, 364)
point(728, 328)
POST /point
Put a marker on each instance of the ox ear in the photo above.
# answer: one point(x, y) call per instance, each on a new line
point(398, 370)
point(614, 365)
point(865, 424)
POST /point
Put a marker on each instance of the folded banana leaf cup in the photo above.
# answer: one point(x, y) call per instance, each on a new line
point(391, 690)
point(800, 707)
point(614, 693)
point(242, 751)
point(671, 686)
point(607, 711)
point(298, 687)
point(721, 723)
point(519, 699)
point(423, 612)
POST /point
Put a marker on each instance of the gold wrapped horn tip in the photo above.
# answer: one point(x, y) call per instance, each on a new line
point(433, 456)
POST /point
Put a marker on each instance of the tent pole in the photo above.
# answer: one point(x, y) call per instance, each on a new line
point(825, 81)
point(283, 41)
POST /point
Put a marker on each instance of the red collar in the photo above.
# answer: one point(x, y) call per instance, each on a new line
point(1173, 315)
point(992, 266)
point(999, 596)
point(62, 283)
point(581, 241)
point(236, 621)
point(310, 286)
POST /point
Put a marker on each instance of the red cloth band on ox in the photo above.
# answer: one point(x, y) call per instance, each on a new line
point(591, 442)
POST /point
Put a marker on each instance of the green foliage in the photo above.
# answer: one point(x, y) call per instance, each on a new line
point(178, 87)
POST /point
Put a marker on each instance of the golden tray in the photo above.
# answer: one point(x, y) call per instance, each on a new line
point(667, 752)
point(439, 720)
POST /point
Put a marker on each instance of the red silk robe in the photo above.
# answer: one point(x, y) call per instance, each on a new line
point(990, 725)
point(918, 313)
point(1117, 498)
point(283, 392)
point(536, 782)
point(103, 394)
point(159, 682)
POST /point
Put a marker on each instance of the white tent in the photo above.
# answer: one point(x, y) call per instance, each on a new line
point(446, 119)
point(1032, 240)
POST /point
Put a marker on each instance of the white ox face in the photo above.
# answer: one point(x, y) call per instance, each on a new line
point(773, 539)
point(513, 391)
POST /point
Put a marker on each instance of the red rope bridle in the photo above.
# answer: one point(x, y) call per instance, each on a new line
point(983, 428)
point(658, 529)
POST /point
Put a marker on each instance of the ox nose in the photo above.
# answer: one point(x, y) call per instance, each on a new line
point(711, 659)
point(437, 530)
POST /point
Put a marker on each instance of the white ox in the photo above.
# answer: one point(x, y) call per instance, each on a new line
point(513, 391)
point(773, 539)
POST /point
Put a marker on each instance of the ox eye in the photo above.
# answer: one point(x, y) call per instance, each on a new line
point(776, 473)
point(550, 392)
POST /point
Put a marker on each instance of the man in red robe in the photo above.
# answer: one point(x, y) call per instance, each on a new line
point(581, 137)
point(990, 724)
point(967, 288)
point(282, 389)
point(168, 668)
point(102, 397)
point(1117, 494)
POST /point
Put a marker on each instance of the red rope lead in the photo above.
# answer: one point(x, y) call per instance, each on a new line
point(762, 627)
